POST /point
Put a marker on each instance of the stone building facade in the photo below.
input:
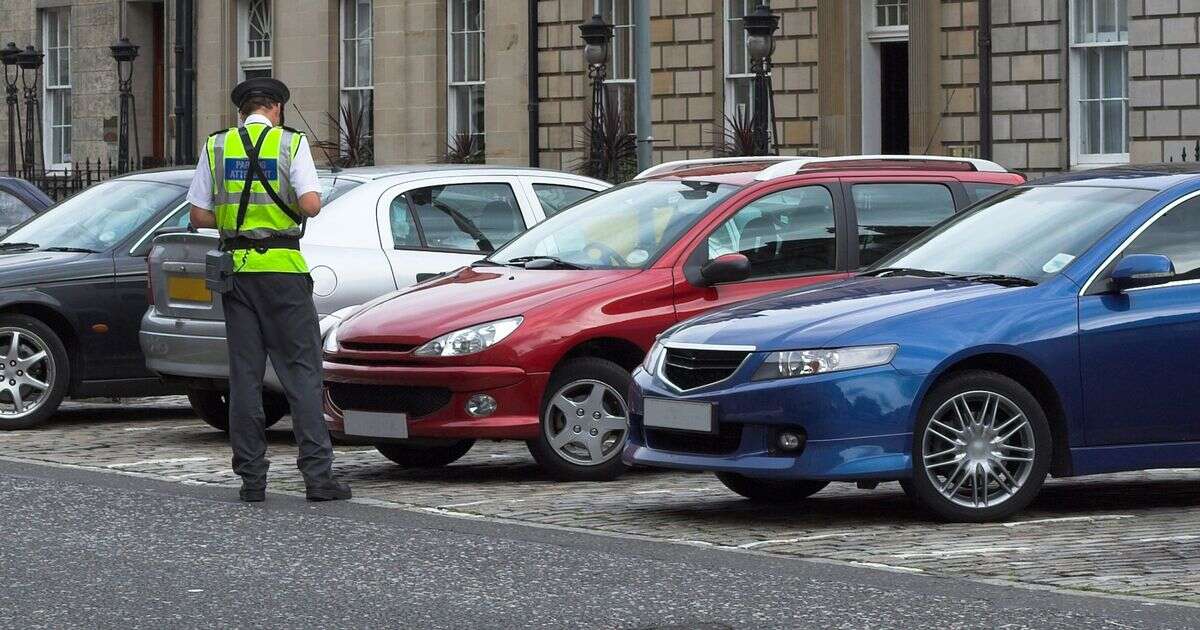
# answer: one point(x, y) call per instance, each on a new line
point(1073, 83)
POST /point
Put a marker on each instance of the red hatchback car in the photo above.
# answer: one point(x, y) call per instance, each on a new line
point(537, 342)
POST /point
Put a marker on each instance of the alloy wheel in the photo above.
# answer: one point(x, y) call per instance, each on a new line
point(978, 449)
point(26, 372)
point(586, 422)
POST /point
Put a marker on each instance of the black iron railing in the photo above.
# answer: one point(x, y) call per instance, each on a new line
point(1183, 154)
point(62, 183)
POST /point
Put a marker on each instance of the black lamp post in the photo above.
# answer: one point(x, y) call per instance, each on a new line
point(30, 62)
point(760, 26)
point(124, 53)
point(12, 73)
point(596, 37)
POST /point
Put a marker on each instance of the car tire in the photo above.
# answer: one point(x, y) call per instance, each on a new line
point(771, 490)
point(40, 360)
point(986, 429)
point(212, 405)
point(593, 390)
point(414, 456)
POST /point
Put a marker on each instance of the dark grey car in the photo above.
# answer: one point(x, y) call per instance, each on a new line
point(72, 294)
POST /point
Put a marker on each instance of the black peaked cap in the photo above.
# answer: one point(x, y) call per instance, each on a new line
point(273, 89)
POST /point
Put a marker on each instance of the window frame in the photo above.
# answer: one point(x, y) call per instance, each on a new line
point(698, 255)
point(384, 205)
point(247, 63)
point(733, 79)
point(1077, 51)
point(1097, 282)
point(453, 87)
point(346, 92)
point(620, 88)
point(56, 157)
point(958, 199)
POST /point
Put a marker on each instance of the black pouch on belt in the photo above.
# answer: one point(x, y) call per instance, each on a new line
point(218, 271)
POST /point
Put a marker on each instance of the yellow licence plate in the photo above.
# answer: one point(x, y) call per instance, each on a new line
point(188, 289)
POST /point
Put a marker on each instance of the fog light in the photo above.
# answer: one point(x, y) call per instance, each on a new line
point(481, 405)
point(788, 441)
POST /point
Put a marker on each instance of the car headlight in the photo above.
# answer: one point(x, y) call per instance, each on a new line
point(470, 340)
point(808, 362)
point(652, 357)
point(330, 344)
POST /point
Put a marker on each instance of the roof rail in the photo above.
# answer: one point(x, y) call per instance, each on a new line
point(791, 167)
point(667, 167)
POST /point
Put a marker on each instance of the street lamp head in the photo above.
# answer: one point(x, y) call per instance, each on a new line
point(30, 58)
point(8, 54)
point(123, 51)
point(596, 35)
point(760, 26)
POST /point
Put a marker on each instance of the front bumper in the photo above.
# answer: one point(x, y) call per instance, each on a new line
point(435, 398)
point(858, 426)
point(195, 349)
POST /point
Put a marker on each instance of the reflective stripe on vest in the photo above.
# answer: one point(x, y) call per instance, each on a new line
point(228, 162)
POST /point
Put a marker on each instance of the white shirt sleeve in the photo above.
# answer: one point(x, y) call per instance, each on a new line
point(303, 172)
point(200, 194)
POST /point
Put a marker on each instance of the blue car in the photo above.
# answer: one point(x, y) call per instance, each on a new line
point(1052, 329)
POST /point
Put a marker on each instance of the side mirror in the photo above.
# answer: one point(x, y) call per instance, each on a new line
point(1141, 270)
point(727, 268)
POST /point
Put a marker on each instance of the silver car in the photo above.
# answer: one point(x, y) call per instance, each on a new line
point(388, 228)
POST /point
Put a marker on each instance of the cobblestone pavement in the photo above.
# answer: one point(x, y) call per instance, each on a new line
point(1126, 534)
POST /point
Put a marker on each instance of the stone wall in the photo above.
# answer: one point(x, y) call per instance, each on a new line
point(1164, 66)
point(93, 71)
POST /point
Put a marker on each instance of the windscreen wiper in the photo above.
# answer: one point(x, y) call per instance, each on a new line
point(483, 262)
point(904, 271)
point(4, 246)
point(997, 278)
point(549, 261)
point(81, 250)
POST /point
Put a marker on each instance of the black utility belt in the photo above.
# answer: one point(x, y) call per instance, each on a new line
point(261, 244)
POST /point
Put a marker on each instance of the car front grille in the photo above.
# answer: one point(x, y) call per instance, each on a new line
point(727, 440)
point(414, 401)
point(378, 347)
point(687, 368)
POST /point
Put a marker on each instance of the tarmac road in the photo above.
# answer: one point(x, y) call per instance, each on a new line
point(90, 549)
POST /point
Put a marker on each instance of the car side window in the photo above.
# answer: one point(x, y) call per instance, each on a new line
point(977, 191)
point(555, 197)
point(787, 232)
point(1175, 235)
point(13, 211)
point(890, 215)
point(404, 227)
point(467, 217)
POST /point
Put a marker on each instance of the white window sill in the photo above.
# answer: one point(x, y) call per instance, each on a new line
point(1100, 161)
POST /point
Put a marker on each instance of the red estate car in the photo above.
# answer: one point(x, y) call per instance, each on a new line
point(537, 341)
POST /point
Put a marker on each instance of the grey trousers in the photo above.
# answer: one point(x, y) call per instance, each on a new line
point(272, 314)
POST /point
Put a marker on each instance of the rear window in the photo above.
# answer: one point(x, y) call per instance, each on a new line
point(333, 187)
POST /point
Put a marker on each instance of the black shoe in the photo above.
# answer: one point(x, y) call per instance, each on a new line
point(252, 495)
point(332, 490)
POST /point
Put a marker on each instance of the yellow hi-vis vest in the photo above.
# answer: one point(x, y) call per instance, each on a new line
point(229, 162)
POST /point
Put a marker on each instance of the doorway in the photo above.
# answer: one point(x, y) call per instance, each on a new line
point(885, 113)
point(893, 98)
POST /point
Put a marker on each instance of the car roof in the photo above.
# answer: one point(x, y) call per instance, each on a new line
point(749, 170)
point(1143, 176)
point(183, 174)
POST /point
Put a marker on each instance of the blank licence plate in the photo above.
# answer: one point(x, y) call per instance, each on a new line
point(680, 415)
point(188, 289)
point(376, 424)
